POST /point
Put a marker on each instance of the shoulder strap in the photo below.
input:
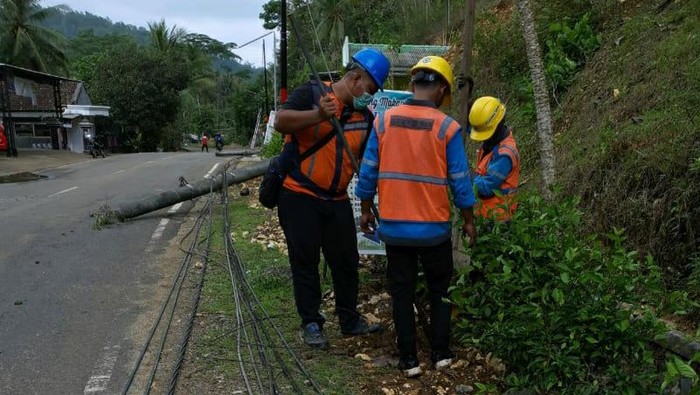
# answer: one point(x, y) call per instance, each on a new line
point(319, 144)
point(316, 89)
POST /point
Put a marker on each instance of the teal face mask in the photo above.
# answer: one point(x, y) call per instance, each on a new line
point(361, 102)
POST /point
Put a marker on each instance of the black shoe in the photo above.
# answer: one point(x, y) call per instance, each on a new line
point(409, 366)
point(361, 327)
point(442, 359)
point(313, 336)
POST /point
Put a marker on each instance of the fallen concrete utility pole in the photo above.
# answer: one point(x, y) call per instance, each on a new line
point(190, 191)
point(237, 152)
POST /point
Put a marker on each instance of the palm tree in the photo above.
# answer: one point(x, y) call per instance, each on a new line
point(166, 39)
point(331, 16)
point(539, 84)
point(25, 43)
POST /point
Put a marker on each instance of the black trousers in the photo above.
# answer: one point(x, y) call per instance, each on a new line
point(402, 272)
point(310, 226)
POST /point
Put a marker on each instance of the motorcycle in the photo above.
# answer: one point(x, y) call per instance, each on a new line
point(96, 148)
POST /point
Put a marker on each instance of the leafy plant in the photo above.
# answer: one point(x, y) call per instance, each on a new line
point(274, 147)
point(677, 369)
point(568, 50)
point(567, 313)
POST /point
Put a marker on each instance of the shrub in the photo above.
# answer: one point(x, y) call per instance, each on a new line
point(568, 50)
point(557, 307)
point(274, 147)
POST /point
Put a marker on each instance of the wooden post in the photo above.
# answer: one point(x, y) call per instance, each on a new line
point(465, 94)
point(459, 254)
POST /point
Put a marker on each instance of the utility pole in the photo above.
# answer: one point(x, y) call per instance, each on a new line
point(283, 51)
point(265, 108)
point(466, 69)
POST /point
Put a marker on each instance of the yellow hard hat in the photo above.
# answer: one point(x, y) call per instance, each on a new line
point(440, 66)
point(486, 113)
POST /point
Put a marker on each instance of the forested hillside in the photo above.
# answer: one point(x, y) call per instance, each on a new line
point(87, 27)
point(70, 23)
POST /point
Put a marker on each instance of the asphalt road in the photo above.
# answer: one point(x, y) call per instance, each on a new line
point(70, 295)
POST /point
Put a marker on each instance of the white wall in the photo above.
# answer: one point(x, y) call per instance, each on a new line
point(75, 137)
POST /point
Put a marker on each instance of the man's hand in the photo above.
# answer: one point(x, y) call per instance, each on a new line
point(327, 107)
point(367, 223)
point(468, 229)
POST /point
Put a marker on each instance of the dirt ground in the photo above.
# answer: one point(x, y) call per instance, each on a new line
point(469, 367)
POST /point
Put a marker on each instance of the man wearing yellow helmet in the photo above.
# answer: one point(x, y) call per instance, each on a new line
point(414, 153)
point(498, 160)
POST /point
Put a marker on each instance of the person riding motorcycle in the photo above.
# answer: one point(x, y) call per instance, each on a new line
point(219, 141)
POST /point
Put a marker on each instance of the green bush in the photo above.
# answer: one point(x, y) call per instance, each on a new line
point(274, 147)
point(568, 314)
point(568, 50)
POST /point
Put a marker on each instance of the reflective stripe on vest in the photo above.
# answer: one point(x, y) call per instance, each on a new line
point(413, 176)
point(495, 206)
point(327, 173)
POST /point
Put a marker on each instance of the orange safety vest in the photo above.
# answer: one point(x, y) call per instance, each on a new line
point(327, 173)
point(413, 173)
point(494, 206)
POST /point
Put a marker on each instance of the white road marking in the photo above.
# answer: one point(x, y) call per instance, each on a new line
point(174, 208)
point(102, 373)
point(160, 229)
point(117, 172)
point(150, 161)
point(157, 234)
point(213, 169)
point(63, 191)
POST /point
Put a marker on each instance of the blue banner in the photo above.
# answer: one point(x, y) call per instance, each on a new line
point(383, 101)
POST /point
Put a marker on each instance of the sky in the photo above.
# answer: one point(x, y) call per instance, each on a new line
point(234, 21)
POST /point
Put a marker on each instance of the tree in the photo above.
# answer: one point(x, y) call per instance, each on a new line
point(539, 82)
point(166, 39)
point(24, 42)
point(331, 22)
point(143, 90)
point(271, 14)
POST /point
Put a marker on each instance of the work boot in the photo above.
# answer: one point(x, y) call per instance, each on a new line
point(410, 366)
point(361, 327)
point(313, 336)
point(442, 359)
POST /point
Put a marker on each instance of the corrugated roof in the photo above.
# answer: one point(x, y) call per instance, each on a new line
point(402, 57)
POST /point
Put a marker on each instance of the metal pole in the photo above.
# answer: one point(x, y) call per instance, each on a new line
point(265, 107)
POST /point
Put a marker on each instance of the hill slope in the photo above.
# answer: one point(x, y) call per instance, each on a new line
point(626, 124)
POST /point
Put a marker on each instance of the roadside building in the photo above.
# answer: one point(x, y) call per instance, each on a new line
point(44, 111)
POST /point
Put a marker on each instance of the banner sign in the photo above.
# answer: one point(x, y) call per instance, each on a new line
point(368, 244)
point(383, 101)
